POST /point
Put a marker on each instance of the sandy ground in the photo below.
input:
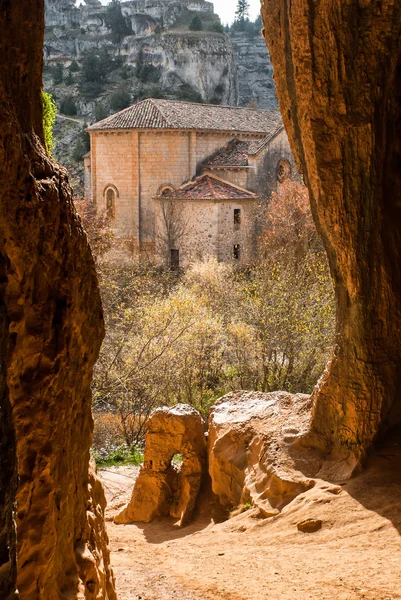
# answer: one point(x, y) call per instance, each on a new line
point(356, 554)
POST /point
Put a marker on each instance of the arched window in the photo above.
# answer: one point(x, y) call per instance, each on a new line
point(165, 190)
point(111, 195)
point(283, 170)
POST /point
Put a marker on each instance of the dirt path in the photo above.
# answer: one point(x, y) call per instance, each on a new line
point(356, 555)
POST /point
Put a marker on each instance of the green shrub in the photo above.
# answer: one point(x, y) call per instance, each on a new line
point(188, 94)
point(146, 72)
point(120, 99)
point(58, 74)
point(116, 22)
point(74, 67)
point(196, 24)
point(123, 455)
point(68, 106)
point(90, 90)
point(69, 80)
point(96, 65)
point(82, 146)
point(126, 72)
point(101, 112)
point(216, 26)
point(49, 116)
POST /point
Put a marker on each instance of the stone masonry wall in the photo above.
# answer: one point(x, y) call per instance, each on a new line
point(209, 231)
point(137, 164)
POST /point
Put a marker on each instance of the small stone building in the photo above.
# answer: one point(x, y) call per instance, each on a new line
point(182, 181)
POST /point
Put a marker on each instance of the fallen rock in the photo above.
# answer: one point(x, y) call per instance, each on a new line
point(253, 452)
point(163, 488)
point(309, 525)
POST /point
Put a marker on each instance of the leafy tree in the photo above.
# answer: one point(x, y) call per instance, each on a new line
point(49, 116)
point(146, 72)
point(216, 26)
point(74, 67)
point(82, 146)
point(92, 70)
point(68, 106)
point(69, 80)
point(188, 94)
point(101, 112)
point(196, 24)
point(58, 74)
point(120, 99)
point(116, 22)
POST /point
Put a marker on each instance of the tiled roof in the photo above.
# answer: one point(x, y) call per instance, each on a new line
point(236, 152)
point(171, 114)
point(208, 187)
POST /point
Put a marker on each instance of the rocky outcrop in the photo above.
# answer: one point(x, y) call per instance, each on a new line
point(51, 333)
point(162, 488)
point(251, 459)
point(338, 74)
point(204, 61)
point(254, 71)
point(165, 12)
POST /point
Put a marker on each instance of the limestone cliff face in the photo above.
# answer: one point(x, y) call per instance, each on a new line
point(51, 330)
point(338, 73)
point(204, 60)
point(254, 71)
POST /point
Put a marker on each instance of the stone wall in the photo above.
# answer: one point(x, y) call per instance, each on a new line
point(208, 230)
point(137, 164)
point(262, 177)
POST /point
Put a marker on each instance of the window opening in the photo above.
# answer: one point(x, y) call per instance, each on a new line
point(167, 191)
point(174, 259)
point(237, 218)
point(237, 251)
point(111, 203)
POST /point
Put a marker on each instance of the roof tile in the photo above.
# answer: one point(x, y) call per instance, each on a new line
point(207, 187)
point(171, 114)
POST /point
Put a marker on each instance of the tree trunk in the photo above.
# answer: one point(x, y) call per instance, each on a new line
point(51, 330)
point(337, 68)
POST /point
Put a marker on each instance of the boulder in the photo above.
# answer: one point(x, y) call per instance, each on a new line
point(163, 488)
point(253, 454)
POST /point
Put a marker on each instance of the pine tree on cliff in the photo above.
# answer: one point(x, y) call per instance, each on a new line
point(242, 13)
point(115, 21)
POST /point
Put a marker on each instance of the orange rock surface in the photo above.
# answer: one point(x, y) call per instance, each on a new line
point(161, 488)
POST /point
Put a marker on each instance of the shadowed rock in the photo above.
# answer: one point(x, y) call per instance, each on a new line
point(51, 331)
point(337, 68)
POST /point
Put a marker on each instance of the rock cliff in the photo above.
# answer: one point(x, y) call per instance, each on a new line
point(338, 74)
point(160, 39)
point(254, 71)
point(51, 330)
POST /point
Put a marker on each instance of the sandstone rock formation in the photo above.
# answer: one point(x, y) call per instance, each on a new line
point(161, 489)
point(337, 69)
point(51, 330)
point(250, 455)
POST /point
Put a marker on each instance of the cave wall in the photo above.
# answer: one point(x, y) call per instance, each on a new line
point(337, 66)
point(51, 331)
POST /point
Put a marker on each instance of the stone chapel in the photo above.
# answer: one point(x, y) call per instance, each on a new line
point(183, 181)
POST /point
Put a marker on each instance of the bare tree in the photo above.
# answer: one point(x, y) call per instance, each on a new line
point(173, 227)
